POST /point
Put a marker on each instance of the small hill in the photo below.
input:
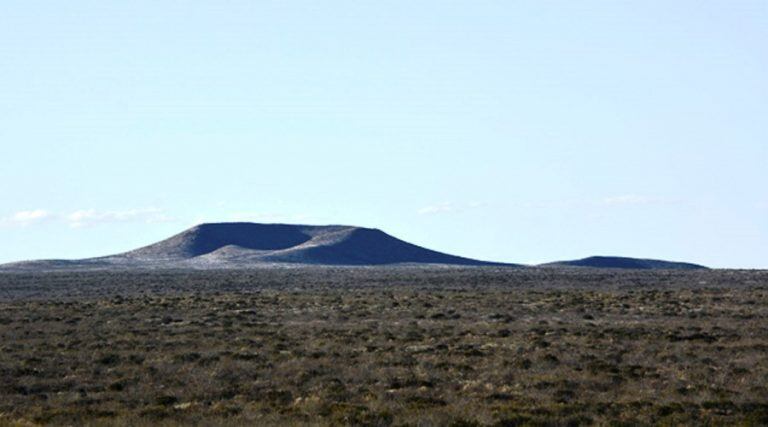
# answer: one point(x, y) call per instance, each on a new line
point(625, 263)
point(245, 245)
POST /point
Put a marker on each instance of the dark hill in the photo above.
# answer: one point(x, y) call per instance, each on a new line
point(626, 263)
point(206, 238)
point(244, 245)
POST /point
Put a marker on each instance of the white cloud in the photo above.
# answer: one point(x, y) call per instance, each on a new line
point(25, 218)
point(86, 217)
point(89, 217)
point(437, 209)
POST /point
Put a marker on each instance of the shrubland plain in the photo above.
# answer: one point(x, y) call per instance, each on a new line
point(402, 346)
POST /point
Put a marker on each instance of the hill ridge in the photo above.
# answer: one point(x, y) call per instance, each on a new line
point(241, 245)
point(245, 244)
point(617, 262)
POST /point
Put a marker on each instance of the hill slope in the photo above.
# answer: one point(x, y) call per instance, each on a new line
point(243, 245)
point(626, 263)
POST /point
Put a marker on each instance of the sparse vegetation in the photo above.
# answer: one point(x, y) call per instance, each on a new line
point(461, 347)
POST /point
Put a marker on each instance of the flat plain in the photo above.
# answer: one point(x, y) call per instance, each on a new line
point(385, 346)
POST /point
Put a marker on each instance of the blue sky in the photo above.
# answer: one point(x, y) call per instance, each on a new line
point(521, 131)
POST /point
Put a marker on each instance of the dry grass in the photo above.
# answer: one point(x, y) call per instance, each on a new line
point(367, 347)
